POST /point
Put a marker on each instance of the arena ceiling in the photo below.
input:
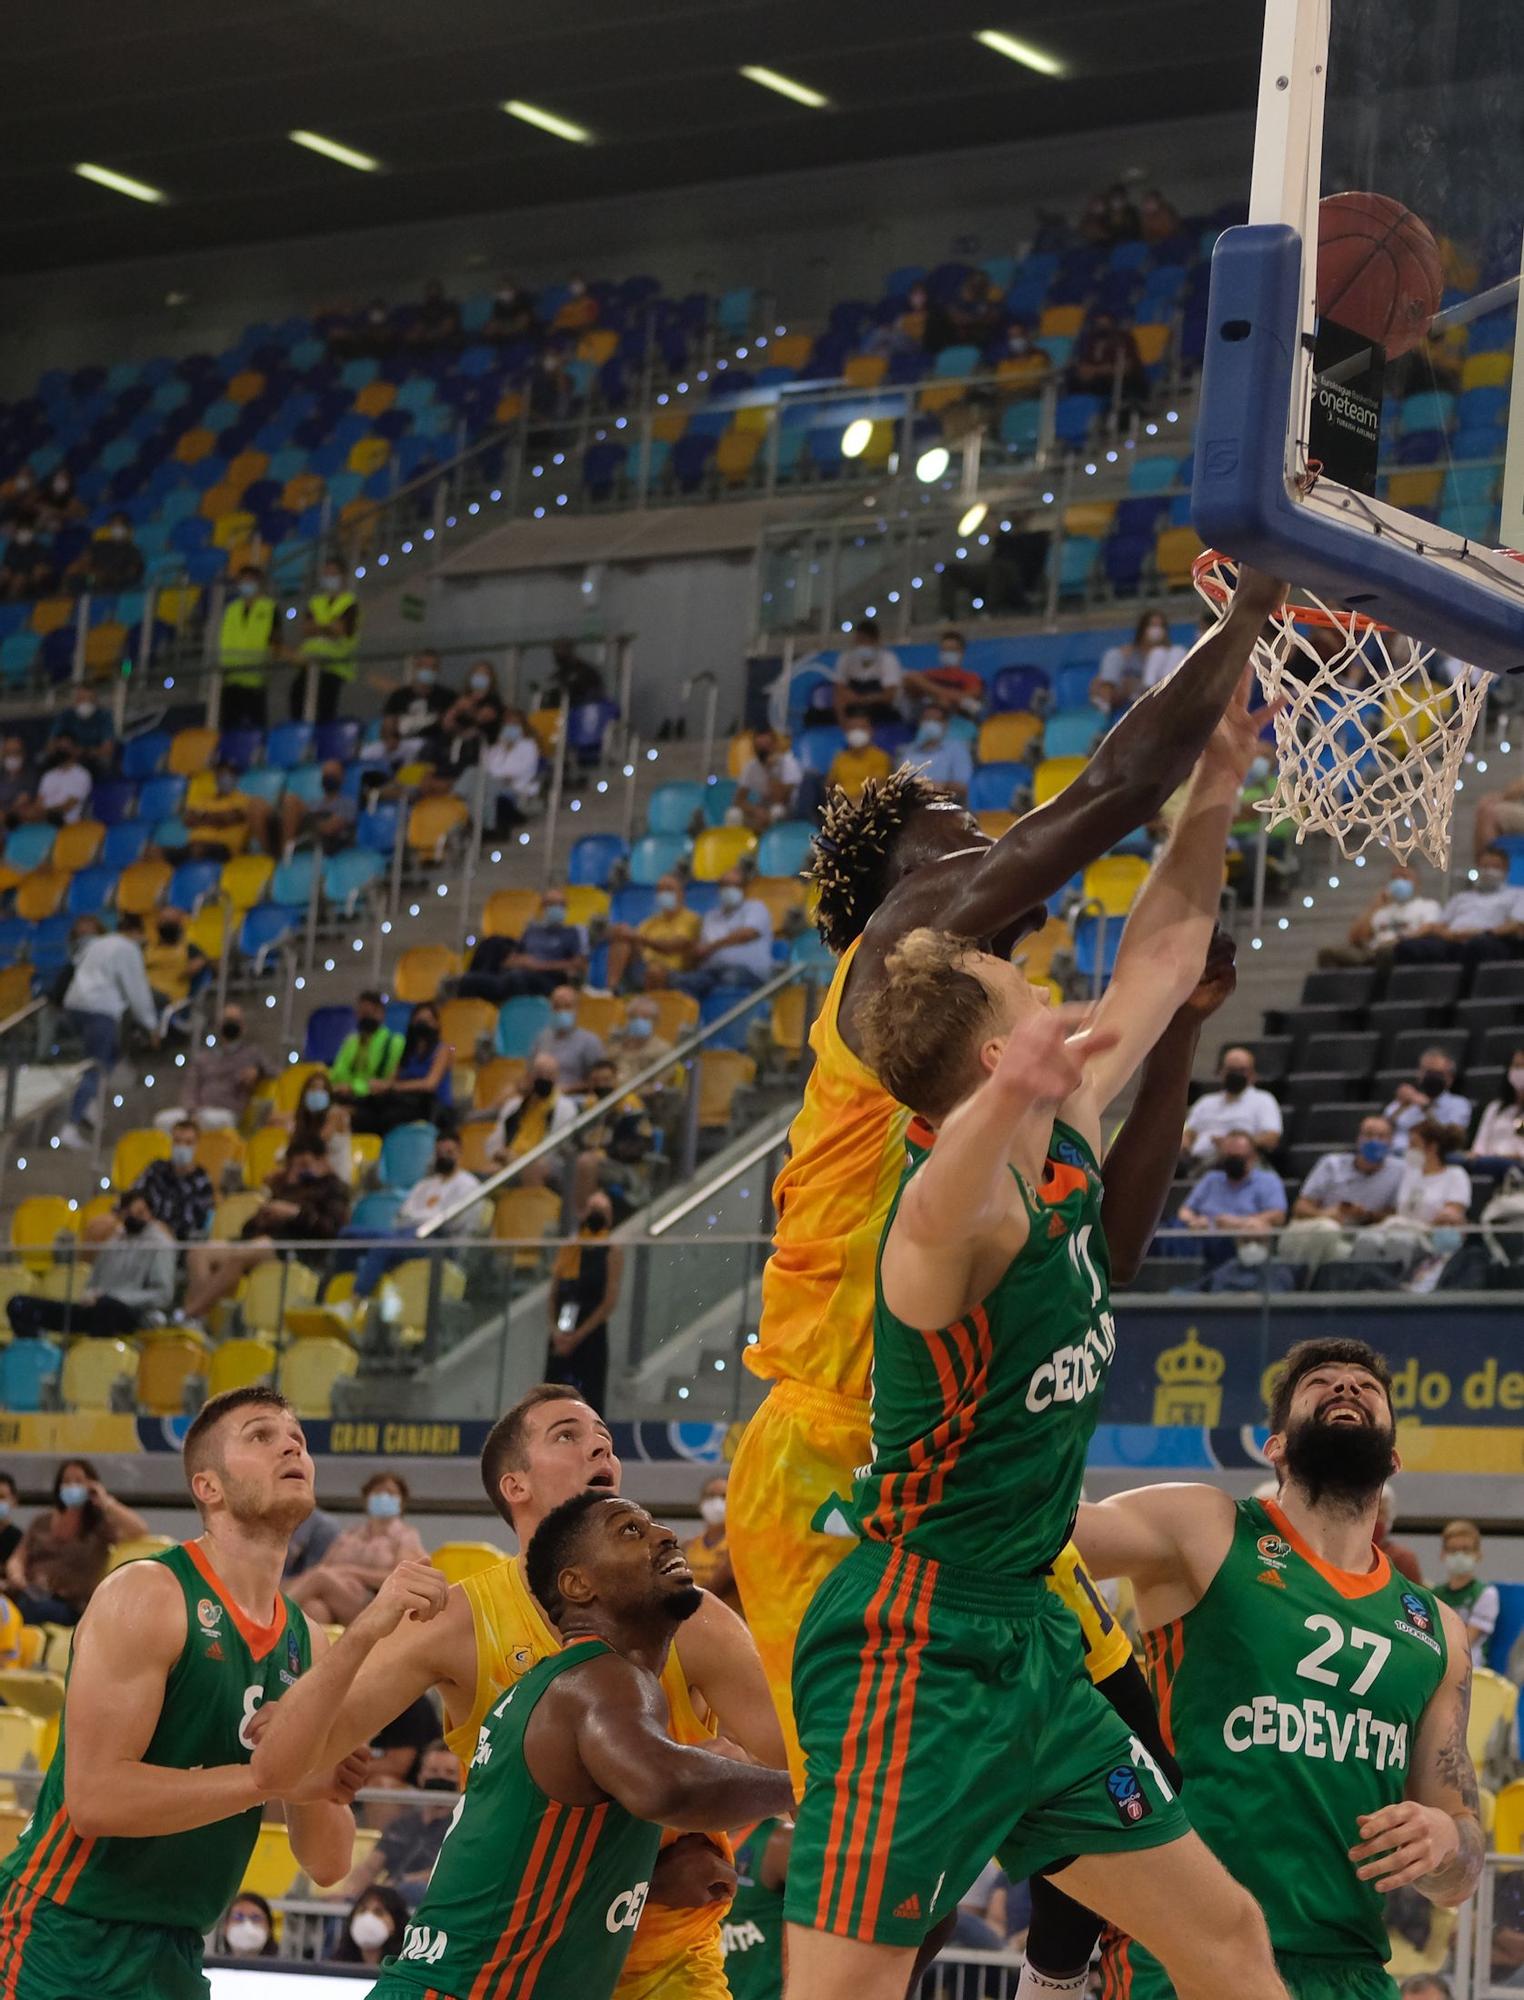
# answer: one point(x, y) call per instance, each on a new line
point(196, 99)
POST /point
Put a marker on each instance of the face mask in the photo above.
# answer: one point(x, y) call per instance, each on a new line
point(246, 1934)
point(1516, 1078)
point(1459, 1564)
point(480, 683)
point(317, 1100)
point(367, 1024)
point(170, 934)
point(1400, 891)
point(439, 1785)
point(369, 1929)
point(666, 899)
point(1235, 1167)
point(597, 1222)
point(84, 710)
point(1372, 1151)
point(933, 732)
point(134, 1224)
point(555, 913)
point(858, 739)
point(565, 1018)
point(183, 1156)
point(577, 287)
point(5, 1510)
point(60, 484)
point(231, 1029)
point(383, 1506)
point(117, 534)
point(1489, 880)
point(333, 583)
point(248, 590)
point(24, 537)
point(712, 1509)
point(1445, 1239)
point(332, 787)
point(1235, 1081)
point(444, 1165)
point(949, 656)
point(1158, 636)
point(73, 1493)
point(511, 732)
point(310, 1174)
point(425, 677)
point(730, 897)
point(638, 1028)
point(542, 1086)
point(1018, 343)
point(1432, 1081)
point(13, 764)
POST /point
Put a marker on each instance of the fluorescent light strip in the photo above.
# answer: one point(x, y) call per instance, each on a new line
point(120, 183)
point(1020, 52)
point(346, 156)
point(784, 85)
point(547, 121)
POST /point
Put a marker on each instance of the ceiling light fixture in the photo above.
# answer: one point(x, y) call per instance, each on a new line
point(930, 466)
point(785, 86)
point(973, 517)
point(547, 121)
point(346, 156)
point(120, 183)
point(1017, 51)
point(856, 438)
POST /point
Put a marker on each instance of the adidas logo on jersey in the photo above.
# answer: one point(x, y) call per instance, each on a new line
point(911, 1907)
point(1271, 1576)
point(214, 1650)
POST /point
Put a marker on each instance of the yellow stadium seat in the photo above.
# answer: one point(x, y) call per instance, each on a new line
point(93, 1369)
point(141, 886)
point(722, 1072)
point(463, 1023)
point(1051, 776)
point(1036, 953)
point(272, 1290)
point(495, 1077)
point(374, 400)
point(308, 1371)
point(41, 894)
point(21, 1737)
point(36, 1224)
point(941, 395)
point(249, 465)
point(166, 1367)
point(304, 491)
point(410, 1286)
point(195, 444)
point(456, 1560)
point(136, 1547)
point(93, 1210)
point(738, 754)
point(677, 1013)
point(220, 499)
point(585, 903)
point(76, 846)
point(40, 1689)
point(1493, 370)
point(789, 1022)
point(782, 894)
point(422, 969)
point(15, 988)
point(1090, 517)
point(1508, 1818)
point(865, 371)
point(669, 425)
point(545, 723)
point(265, 1150)
point(14, 1278)
point(272, 1867)
point(1062, 321)
point(507, 912)
point(1007, 738)
point(1114, 881)
point(367, 455)
point(12, 1820)
point(245, 879)
point(510, 406)
point(1174, 552)
point(1420, 488)
point(1494, 1700)
point(51, 614)
point(192, 750)
point(136, 1150)
point(526, 1215)
point(476, 1146)
point(232, 1212)
point(431, 823)
point(1152, 341)
point(598, 344)
point(754, 417)
point(883, 436)
point(176, 603)
point(600, 1013)
point(718, 849)
point(736, 454)
point(228, 530)
point(217, 1151)
point(243, 388)
point(790, 350)
point(287, 1088)
point(994, 823)
point(201, 790)
point(32, 1640)
point(237, 1364)
point(324, 1322)
point(105, 645)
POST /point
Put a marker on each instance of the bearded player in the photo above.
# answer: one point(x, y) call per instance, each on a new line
point(150, 1808)
point(492, 1631)
point(937, 1688)
point(1294, 1667)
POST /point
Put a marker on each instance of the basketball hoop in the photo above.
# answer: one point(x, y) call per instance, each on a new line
point(1371, 732)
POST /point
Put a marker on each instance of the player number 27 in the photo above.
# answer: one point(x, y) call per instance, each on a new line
point(1312, 1666)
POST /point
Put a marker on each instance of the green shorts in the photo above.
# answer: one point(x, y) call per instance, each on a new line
point(1128, 1972)
point(946, 1718)
point(58, 1954)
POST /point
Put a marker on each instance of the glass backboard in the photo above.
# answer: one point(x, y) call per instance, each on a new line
point(1362, 417)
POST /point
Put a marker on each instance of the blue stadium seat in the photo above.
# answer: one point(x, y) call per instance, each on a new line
point(994, 786)
point(240, 747)
point(15, 937)
point(1075, 418)
point(143, 755)
point(719, 796)
point(289, 744)
point(1428, 410)
point(1019, 687)
point(1076, 564)
point(1124, 559)
point(347, 876)
point(263, 782)
point(264, 929)
point(306, 782)
point(407, 1152)
point(1072, 732)
point(28, 1371)
point(335, 742)
point(632, 904)
point(29, 846)
point(292, 881)
point(655, 855)
point(1071, 684)
point(1154, 474)
point(161, 798)
point(193, 882)
point(91, 891)
point(377, 828)
point(126, 841)
point(594, 858)
point(326, 1030)
point(518, 1022)
point(1096, 942)
point(785, 848)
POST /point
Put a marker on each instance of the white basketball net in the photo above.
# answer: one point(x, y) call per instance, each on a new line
point(1369, 741)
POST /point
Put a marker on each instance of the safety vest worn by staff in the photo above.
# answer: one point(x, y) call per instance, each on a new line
point(243, 646)
point(334, 656)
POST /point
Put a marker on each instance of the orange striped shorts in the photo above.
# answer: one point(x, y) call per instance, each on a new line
point(946, 1718)
point(51, 1953)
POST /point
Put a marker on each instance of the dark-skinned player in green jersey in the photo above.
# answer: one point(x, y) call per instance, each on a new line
point(150, 1808)
point(941, 1701)
point(1317, 1701)
point(544, 1872)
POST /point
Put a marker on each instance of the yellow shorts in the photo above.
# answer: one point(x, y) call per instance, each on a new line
point(697, 1973)
point(788, 1517)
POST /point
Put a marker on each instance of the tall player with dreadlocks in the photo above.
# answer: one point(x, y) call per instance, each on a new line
point(902, 856)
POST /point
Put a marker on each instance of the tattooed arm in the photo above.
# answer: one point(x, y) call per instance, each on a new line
point(1434, 1838)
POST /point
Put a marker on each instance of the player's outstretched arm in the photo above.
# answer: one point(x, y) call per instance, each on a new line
point(295, 1741)
point(318, 1814)
point(1433, 1840)
point(126, 1647)
point(720, 1658)
point(1169, 1538)
point(620, 1723)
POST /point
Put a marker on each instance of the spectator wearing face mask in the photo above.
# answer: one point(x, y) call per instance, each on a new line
point(412, 716)
point(87, 725)
point(473, 720)
point(1021, 361)
point(65, 786)
point(1344, 1192)
point(652, 952)
point(708, 1554)
point(408, 1849)
point(111, 560)
point(173, 965)
point(373, 1931)
point(18, 784)
point(574, 1050)
point(861, 759)
point(513, 770)
point(248, 645)
point(1477, 1603)
point(1240, 1195)
point(52, 1576)
point(583, 1294)
point(1107, 364)
point(419, 1087)
point(369, 1055)
point(578, 310)
point(1498, 1145)
point(321, 1124)
point(27, 568)
point(869, 677)
point(529, 1113)
point(512, 316)
point(1430, 1096)
point(639, 1043)
point(130, 1281)
point(360, 1560)
point(305, 1203)
point(950, 682)
point(549, 954)
point(330, 644)
point(768, 787)
point(941, 759)
point(1149, 657)
point(109, 982)
point(1479, 922)
point(437, 1193)
point(734, 952)
point(58, 500)
point(220, 1080)
point(1397, 910)
point(179, 1193)
point(435, 320)
point(1238, 1105)
point(330, 823)
point(248, 1929)
point(1434, 1194)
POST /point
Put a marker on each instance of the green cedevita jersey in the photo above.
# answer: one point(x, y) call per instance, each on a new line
point(542, 1897)
point(1292, 1696)
point(752, 1935)
point(980, 1429)
point(227, 1668)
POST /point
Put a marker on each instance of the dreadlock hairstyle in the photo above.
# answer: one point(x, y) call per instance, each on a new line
point(850, 856)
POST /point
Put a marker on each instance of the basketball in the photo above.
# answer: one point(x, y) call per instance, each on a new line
point(1379, 270)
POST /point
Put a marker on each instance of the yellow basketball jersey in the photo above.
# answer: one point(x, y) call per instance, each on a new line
point(511, 1637)
point(846, 1156)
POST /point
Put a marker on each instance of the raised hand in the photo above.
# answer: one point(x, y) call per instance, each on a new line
point(1219, 978)
point(691, 1872)
point(1042, 1062)
point(414, 1590)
